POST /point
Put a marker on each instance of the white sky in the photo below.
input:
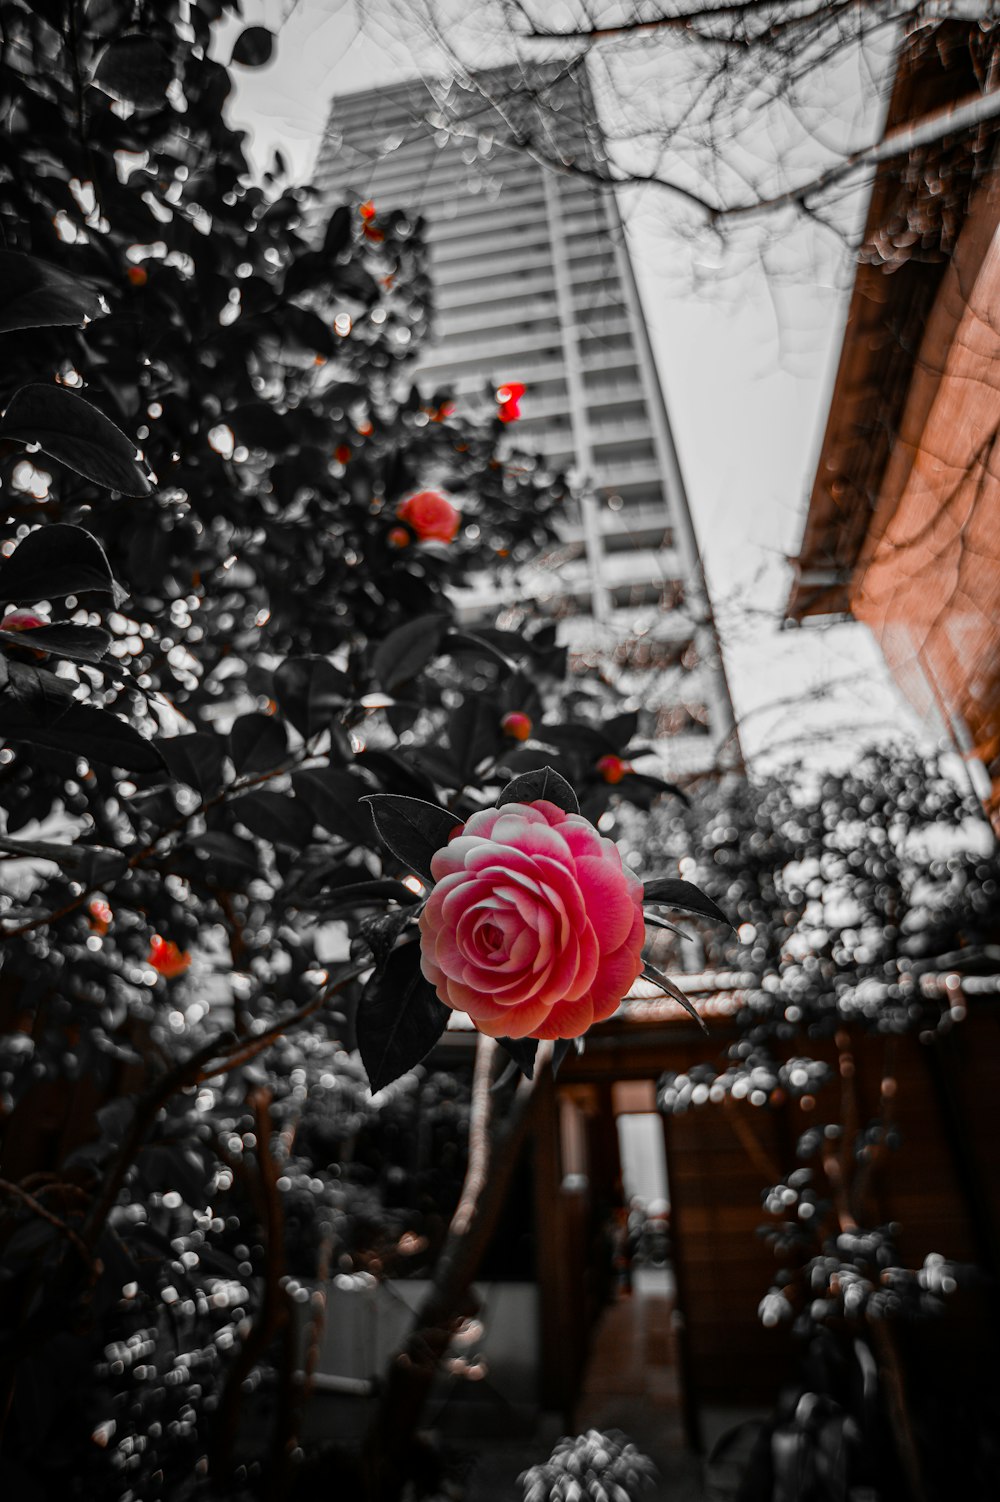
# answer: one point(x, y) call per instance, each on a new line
point(747, 335)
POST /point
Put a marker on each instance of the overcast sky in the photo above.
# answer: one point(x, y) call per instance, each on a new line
point(747, 333)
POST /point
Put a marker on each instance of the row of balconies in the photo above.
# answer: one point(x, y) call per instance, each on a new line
point(458, 297)
point(497, 240)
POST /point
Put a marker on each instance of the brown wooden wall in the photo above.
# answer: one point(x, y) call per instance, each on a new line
point(942, 1186)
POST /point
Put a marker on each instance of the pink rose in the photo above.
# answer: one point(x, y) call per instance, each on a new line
point(534, 927)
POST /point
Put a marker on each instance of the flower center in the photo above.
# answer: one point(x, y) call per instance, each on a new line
point(491, 937)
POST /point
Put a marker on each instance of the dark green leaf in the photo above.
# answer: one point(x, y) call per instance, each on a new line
point(197, 760)
point(543, 784)
point(381, 930)
point(522, 1051)
point(69, 429)
point(560, 1048)
point(338, 232)
point(665, 984)
point(253, 47)
point(55, 561)
point(413, 830)
point(135, 68)
point(671, 891)
point(91, 864)
point(658, 922)
point(35, 692)
point(34, 294)
point(275, 817)
point(333, 798)
point(310, 691)
point(620, 729)
point(62, 639)
point(399, 1019)
point(406, 650)
point(257, 743)
point(84, 731)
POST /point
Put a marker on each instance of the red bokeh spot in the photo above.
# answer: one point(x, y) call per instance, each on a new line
point(399, 538)
point(612, 768)
point(342, 453)
point(137, 275)
point(517, 725)
point(166, 958)
point(99, 916)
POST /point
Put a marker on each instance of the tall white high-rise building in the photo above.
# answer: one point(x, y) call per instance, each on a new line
point(532, 283)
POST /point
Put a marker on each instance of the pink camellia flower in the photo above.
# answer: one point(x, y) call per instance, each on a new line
point(534, 927)
point(431, 515)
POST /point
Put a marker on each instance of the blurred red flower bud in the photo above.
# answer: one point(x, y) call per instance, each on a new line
point(399, 538)
point(367, 211)
point(137, 275)
point(22, 620)
point(166, 958)
point(517, 725)
point(431, 515)
point(612, 768)
point(99, 916)
point(509, 399)
point(342, 453)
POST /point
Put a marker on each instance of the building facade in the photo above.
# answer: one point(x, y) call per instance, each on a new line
point(903, 526)
point(532, 283)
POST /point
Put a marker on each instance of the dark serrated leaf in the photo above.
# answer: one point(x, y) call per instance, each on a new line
point(674, 992)
point(35, 294)
point(522, 1051)
point(658, 922)
point(55, 561)
point(135, 68)
point(91, 864)
point(532, 787)
point(257, 743)
point(560, 1048)
point(671, 891)
point(197, 760)
point(310, 691)
point(62, 639)
point(275, 817)
point(413, 830)
point(381, 930)
point(83, 731)
point(338, 232)
point(332, 797)
point(402, 654)
point(253, 47)
point(400, 1018)
point(67, 428)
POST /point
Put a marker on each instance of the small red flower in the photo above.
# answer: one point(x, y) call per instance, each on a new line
point(517, 725)
point(431, 515)
point(399, 538)
point(137, 275)
point(99, 916)
point(342, 453)
point(509, 400)
point(367, 211)
point(166, 958)
point(612, 768)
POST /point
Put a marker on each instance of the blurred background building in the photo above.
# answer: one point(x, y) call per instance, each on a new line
point(903, 527)
point(533, 287)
